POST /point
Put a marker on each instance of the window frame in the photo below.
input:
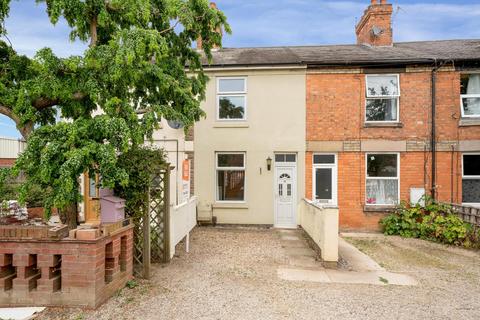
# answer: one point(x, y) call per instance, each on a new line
point(397, 97)
point(218, 168)
point(334, 167)
point(476, 204)
point(463, 96)
point(382, 178)
point(220, 94)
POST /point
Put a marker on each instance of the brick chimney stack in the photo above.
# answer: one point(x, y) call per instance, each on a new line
point(375, 26)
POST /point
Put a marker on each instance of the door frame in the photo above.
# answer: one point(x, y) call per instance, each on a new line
point(334, 167)
point(276, 166)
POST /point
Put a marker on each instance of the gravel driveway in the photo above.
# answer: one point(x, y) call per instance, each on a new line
point(232, 274)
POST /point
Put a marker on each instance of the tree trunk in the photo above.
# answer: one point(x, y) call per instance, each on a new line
point(69, 216)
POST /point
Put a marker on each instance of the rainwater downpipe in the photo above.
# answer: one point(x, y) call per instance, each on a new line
point(433, 141)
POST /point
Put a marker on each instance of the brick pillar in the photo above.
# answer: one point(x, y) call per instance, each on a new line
point(27, 272)
point(50, 266)
point(112, 260)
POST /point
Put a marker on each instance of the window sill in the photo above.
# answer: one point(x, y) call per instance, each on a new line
point(383, 125)
point(467, 122)
point(227, 205)
point(378, 209)
point(231, 125)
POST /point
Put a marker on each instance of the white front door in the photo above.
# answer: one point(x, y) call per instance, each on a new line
point(285, 195)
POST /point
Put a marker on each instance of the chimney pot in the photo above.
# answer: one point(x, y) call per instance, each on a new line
point(374, 2)
point(383, 1)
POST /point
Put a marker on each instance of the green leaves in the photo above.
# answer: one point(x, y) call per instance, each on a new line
point(112, 97)
point(140, 164)
point(434, 221)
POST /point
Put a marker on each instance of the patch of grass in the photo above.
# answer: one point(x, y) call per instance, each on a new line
point(132, 284)
point(382, 279)
point(80, 316)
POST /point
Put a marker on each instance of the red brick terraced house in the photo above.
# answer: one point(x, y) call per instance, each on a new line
point(374, 111)
point(385, 122)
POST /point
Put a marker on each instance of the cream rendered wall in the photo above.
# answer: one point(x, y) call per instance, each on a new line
point(172, 141)
point(275, 123)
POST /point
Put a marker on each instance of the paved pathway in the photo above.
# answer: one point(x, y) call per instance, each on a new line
point(303, 264)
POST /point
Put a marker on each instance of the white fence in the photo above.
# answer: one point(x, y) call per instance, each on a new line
point(183, 218)
point(321, 224)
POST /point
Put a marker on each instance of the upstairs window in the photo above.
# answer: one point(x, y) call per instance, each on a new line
point(470, 90)
point(471, 179)
point(383, 92)
point(232, 99)
point(383, 179)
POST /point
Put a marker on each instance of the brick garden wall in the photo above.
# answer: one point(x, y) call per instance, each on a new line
point(335, 113)
point(65, 272)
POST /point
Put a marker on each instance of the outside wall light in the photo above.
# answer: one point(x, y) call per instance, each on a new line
point(269, 163)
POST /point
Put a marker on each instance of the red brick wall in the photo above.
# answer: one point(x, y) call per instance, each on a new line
point(6, 162)
point(89, 273)
point(335, 112)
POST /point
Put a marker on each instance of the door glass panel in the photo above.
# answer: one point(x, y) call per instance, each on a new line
point(290, 158)
point(289, 190)
point(323, 179)
point(280, 189)
point(92, 188)
point(280, 158)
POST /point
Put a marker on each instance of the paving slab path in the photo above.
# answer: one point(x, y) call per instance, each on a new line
point(234, 274)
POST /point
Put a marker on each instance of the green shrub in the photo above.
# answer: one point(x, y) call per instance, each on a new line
point(140, 164)
point(433, 221)
point(8, 185)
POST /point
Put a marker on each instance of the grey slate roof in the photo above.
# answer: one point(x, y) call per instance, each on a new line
point(402, 52)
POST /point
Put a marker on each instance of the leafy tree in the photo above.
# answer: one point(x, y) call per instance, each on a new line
point(139, 67)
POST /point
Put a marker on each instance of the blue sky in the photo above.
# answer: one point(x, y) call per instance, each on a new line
point(271, 23)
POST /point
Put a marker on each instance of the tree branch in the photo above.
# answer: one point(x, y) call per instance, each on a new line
point(25, 130)
point(93, 32)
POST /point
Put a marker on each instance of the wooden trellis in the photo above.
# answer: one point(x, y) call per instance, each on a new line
point(152, 238)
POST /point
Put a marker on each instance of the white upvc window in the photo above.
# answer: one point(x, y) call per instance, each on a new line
point(324, 178)
point(470, 95)
point(230, 176)
point(471, 179)
point(232, 98)
point(382, 98)
point(382, 179)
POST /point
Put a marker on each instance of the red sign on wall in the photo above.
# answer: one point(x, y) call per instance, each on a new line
point(186, 170)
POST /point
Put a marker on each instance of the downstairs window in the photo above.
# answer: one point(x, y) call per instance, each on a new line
point(471, 179)
point(382, 181)
point(230, 169)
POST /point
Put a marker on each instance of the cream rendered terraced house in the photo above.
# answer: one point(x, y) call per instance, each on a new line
point(250, 149)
